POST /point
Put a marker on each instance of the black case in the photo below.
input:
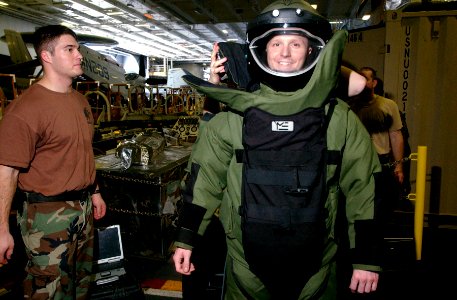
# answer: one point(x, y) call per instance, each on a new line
point(127, 287)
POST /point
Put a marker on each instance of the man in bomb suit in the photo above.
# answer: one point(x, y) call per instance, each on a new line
point(288, 165)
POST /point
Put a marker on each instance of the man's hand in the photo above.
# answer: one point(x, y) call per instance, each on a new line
point(6, 246)
point(364, 281)
point(99, 206)
point(398, 173)
point(397, 144)
point(182, 261)
point(216, 66)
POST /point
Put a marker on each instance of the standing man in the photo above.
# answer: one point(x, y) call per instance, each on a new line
point(277, 163)
point(209, 252)
point(46, 153)
point(381, 117)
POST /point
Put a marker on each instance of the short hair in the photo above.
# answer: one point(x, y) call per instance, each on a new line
point(45, 37)
point(373, 71)
point(379, 88)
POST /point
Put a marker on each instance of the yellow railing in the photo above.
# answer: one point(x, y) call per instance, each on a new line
point(419, 197)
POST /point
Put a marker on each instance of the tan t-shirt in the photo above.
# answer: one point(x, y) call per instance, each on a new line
point(381, 140)
point(49, 136)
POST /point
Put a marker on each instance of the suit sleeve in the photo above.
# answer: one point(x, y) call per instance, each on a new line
point(210, 159)
point(359, 181)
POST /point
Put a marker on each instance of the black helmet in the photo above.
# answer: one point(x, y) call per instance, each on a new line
point(305, 29)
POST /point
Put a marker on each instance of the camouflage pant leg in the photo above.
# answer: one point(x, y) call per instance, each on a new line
point(85, 253)
point(56, 235)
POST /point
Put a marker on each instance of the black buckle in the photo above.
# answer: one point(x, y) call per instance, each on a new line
point(296, 191)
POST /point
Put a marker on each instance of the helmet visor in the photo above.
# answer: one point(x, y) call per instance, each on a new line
point(286, 52)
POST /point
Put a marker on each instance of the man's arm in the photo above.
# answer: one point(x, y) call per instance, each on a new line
point(356, 82)
point(397, 144)
point(8, 184)
point(360, 169)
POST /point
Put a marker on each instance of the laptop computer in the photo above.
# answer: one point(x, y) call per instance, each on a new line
point(108, 255)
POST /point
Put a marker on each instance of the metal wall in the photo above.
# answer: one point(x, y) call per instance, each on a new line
point(418, 57)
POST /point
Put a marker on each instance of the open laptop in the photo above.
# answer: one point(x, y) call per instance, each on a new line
point(108, 255)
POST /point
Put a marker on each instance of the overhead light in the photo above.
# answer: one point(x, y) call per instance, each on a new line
point(142, 25)
point(3, 3)
point(148, 16)
point(366, 17)
point(314, 6)
point(224, 31)
point(67, 24)
point(115, 13)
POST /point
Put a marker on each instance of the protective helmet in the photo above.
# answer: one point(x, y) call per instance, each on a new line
point(285, 42)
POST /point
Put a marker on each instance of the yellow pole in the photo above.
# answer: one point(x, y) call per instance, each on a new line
point(419, 198)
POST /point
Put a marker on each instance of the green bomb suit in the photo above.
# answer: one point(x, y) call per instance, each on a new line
point(217, 178)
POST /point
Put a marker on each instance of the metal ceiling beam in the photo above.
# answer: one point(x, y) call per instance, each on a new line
point(63, 18)
point(158, 24)
point(175, 11)
point(181, 27)
point(215, 19)
point(164, 44)
point(241, 34)
point(186, 38)
point(22, 14)
point(172, 10)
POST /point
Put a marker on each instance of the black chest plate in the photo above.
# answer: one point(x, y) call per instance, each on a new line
point(283, 195)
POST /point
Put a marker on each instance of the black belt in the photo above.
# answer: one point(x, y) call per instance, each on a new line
point(32, 197)
point(384, 158)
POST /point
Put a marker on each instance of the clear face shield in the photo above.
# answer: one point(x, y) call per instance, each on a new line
point(286, 52)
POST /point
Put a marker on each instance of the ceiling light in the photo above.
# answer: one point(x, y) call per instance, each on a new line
point(148, 16)
point(115, 13)
point(3, 3)
point(224, 31)
point(314, 6)
point(68, 24)
point(366, 17)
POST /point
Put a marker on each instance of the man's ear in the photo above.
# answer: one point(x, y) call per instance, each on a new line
point(375, 82)
point(45, 56)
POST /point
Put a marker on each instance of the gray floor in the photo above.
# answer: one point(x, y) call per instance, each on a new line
point(433, 277)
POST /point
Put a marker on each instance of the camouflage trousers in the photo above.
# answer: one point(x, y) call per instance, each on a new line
point(58, 238)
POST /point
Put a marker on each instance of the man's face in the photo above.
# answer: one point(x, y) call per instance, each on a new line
point(66, 58)
point(287, 53)
point(371, 82)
